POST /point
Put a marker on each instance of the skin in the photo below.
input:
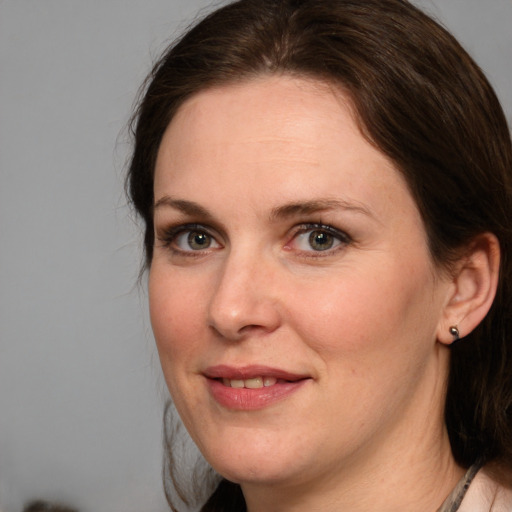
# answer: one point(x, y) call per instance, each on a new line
point(361, 319)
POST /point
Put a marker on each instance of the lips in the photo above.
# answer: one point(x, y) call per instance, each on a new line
point(251, 387)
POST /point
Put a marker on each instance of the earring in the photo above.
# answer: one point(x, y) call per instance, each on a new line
point(454, 331)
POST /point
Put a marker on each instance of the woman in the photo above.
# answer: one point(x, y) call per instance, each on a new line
point(326, 190)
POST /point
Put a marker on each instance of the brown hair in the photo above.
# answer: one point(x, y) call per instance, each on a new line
point(423, 102)
point(44, 506)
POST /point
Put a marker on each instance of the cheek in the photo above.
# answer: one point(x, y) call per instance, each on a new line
point(176, 316)
point(366, 312)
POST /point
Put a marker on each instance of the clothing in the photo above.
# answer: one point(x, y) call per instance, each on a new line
point(477, 492)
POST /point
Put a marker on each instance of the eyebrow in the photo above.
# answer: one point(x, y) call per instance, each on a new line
point(316, 206)
point(186, 207)
point(281, 212)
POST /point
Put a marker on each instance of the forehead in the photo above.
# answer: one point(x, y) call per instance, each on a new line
point(275, 136)
point(269, 106)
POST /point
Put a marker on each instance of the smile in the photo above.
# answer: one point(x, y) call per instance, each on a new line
point(251, 388)
point(254, 383)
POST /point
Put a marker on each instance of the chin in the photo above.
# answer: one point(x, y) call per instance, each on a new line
point(264, 472)
point(264, 461)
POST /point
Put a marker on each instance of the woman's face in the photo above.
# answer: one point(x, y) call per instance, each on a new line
point(292, 296)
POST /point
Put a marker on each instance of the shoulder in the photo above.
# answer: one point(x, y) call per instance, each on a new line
point(486, 495)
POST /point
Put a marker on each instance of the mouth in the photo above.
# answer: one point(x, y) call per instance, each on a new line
point(253, 383)
point(251, 387)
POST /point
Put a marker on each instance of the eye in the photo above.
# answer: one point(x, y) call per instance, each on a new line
point(321, 241)
point(193, 240)
point(318, 238)
point(188, 239)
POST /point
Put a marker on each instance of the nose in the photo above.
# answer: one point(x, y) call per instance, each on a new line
point(245, 299)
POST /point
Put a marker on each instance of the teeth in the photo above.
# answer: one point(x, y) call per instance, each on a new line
point(254, 383)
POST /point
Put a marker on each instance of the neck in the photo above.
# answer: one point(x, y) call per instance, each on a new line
point(387, 488)
point(390, 484)
point(408, 466)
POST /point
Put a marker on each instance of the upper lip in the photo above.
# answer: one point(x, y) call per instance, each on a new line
point(251, 372)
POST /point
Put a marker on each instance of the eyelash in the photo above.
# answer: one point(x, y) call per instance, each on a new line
point(342, 237)
point(170, 235)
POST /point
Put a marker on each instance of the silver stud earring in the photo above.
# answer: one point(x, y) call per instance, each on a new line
point(454, 331)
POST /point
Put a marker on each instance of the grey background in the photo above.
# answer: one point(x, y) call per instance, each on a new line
point(80, 388)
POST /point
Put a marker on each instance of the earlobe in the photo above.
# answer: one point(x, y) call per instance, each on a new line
point(475, 281)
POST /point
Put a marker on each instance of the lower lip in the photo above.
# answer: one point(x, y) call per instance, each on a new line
point(243, 399)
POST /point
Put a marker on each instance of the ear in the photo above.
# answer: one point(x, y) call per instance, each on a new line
point(474, 282)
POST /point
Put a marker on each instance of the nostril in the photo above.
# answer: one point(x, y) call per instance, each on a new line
point(242, 307)
point(223, 331)
point(252, 327)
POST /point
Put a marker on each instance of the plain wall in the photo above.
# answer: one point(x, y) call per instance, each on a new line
point(80, 388)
